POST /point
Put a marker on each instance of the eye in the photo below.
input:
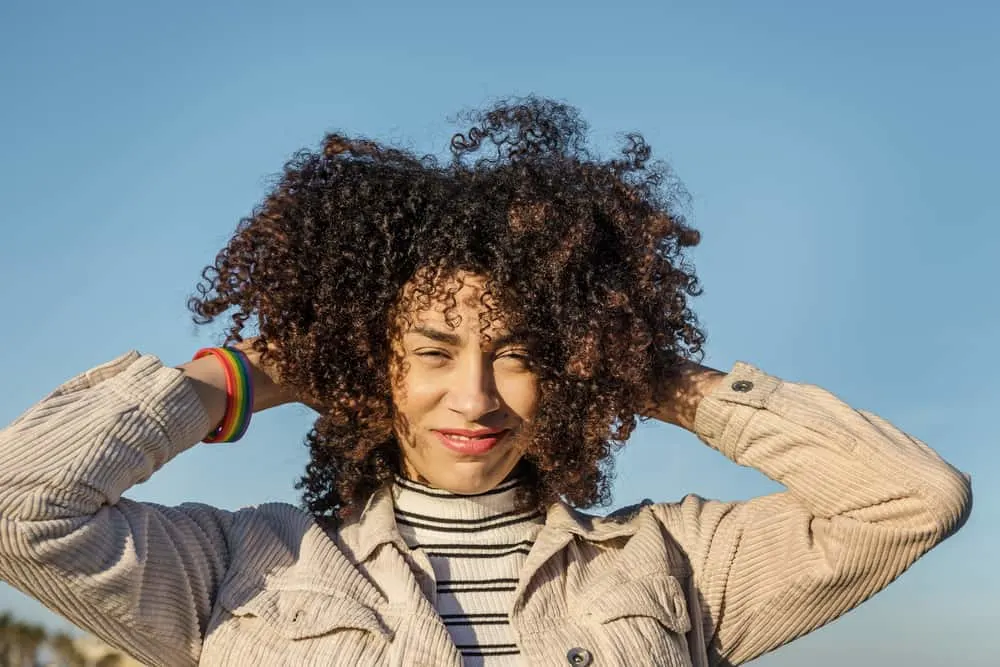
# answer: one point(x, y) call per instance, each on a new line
point(433, 357)
point(521, 357)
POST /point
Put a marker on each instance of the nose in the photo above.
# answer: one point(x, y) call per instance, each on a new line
point(473, 392)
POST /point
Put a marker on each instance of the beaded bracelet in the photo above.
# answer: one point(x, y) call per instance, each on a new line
point(239, 394)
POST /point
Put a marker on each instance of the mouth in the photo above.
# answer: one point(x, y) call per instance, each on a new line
point(470, 443)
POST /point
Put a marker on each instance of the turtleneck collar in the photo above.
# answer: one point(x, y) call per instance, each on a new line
point(426, 500)
point(494, 513)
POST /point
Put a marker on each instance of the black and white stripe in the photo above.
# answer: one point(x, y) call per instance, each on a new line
point(475, 619)
point(487, 650)
point(502, 585)
point(441, 525)
point(476, 546)
point(435, 550)
point(431, 492)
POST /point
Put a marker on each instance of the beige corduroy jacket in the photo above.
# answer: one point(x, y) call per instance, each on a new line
point(694, 582)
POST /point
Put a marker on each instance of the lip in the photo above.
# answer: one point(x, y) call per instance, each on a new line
point(479, 442)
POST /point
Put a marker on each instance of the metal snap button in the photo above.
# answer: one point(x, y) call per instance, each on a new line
point(579, 657)
point(742, 386)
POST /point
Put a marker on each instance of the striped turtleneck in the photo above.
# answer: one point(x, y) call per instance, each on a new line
point(476, 545)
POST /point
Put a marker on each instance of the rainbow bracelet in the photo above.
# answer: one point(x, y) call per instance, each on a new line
point(239, 394)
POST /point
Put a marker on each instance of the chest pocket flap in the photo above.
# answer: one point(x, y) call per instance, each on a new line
point(295, 613)
point(658, 595)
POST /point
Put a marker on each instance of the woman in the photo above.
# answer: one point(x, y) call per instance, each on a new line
point(477, 338)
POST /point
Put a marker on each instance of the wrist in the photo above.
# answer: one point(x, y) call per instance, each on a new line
point(676, 401)
point(266, 393)
point(268, 390)
point(239, 392)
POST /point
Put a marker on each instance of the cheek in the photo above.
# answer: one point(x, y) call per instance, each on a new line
point(520, 393)
point(415, 396)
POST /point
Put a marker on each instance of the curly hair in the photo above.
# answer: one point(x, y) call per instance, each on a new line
point(583, 255)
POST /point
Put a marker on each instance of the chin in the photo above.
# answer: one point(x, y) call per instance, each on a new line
point(466, 479)
point(465, 484)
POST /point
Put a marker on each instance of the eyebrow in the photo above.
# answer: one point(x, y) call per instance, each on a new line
point(449, 338)
point(436, 334)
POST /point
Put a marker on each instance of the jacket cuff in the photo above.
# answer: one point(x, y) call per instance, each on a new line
point(724, 413)
point(162, 393)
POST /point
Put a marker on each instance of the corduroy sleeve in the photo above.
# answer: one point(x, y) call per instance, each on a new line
point(140, 576)
point(864, 500)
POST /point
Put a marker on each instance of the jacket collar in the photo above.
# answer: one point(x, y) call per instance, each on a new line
point(562, 524)
point(377, 525)
point(561, 518)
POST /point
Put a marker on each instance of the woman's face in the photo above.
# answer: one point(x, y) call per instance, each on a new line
point(464, 404)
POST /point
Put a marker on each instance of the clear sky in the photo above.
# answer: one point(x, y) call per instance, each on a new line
point(841, 159)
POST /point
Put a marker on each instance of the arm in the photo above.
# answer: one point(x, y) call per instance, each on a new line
point(141, 576)
point(864, 500)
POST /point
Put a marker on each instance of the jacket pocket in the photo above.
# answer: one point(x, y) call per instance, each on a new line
point(637, 620)
point(295, 613)
point(657, 595)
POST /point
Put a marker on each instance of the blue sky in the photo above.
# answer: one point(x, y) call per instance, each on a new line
point(840, 161)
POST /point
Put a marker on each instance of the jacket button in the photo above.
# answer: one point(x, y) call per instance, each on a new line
point(742, 386)
point(579, 657)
